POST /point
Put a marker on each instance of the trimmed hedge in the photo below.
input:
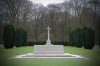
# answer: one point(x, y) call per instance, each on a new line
point(9, 36)
point(78, 38)
point(72, 38)
point(82, 37)
point(20, 37)
point(24, 38)
point(89, 38)
point(42, 43)
point(75, 38)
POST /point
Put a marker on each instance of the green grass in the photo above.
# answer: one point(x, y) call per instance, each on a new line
point(92, 55)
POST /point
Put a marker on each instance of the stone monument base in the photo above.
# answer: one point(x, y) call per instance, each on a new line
point(63, 56)
point(41, 50)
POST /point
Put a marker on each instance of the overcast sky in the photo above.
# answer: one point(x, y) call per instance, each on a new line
point(46, 2)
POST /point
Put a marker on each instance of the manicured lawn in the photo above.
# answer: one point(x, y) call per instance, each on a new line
point(92, 55)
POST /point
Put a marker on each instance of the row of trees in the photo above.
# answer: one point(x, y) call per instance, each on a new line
point(62, 18)
point(13, 37)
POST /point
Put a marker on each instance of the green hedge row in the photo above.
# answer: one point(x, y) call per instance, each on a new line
point(42, 43)
point(82, 37)
point(20, 37)
point(13, 37)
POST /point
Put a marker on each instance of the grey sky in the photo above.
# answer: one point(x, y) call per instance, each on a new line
point(46, 2)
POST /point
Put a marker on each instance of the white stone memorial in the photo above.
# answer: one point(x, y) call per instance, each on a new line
point(49, 51)
point(48, 48)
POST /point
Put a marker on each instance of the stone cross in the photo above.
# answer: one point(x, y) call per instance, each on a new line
point(48, 40)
